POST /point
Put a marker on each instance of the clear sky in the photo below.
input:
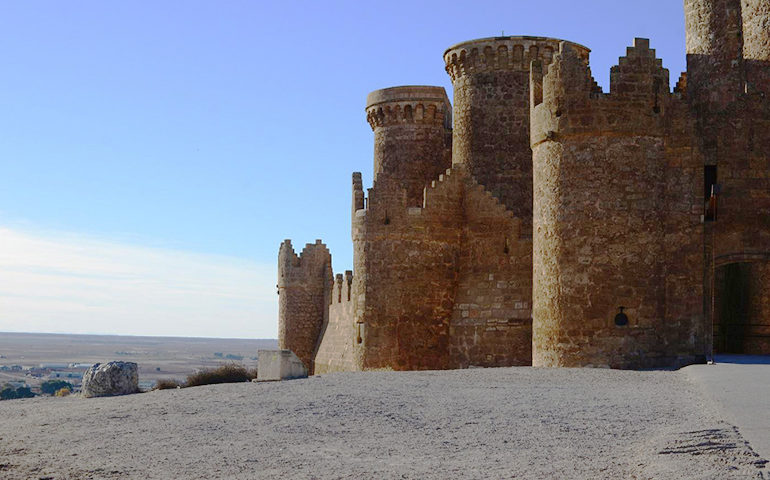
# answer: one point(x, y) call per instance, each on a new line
point(153, 155)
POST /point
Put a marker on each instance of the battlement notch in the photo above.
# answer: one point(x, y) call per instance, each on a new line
point(572, 103)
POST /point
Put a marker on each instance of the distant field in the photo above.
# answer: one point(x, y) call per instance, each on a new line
point(157, 357)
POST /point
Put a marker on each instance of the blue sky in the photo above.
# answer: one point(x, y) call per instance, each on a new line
point(204, 133)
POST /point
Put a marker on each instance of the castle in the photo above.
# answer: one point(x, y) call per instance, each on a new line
point(537, 220)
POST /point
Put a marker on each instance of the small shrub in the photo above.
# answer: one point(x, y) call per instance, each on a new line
point(50, 387)
point(62, 392)
point(229, 373)
point(166, 384)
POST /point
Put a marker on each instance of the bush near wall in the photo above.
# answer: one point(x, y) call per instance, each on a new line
point(229, 373)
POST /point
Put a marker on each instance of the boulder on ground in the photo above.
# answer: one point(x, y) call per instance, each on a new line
point(112, 378)
point(279, 365)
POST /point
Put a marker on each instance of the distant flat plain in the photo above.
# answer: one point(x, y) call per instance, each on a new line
point(157, 357)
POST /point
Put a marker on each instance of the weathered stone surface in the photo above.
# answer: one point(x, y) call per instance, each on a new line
point(109, 379)
point(304, 286)
point(490, 77)
point(560, 205)
point(606, 218)
point(743, 293)
point(279, 365)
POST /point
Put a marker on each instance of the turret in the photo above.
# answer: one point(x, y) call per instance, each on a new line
point(412, 139)
point(304, 287)
point(491, 114)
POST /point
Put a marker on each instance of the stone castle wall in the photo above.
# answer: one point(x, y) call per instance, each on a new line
point(491, 321)
point(410, 256)
point(338, 340)
point(603, 216)
point(515, 234)
point(304, 291)
point(405, 245)
point(729, 54)
point(490, 77)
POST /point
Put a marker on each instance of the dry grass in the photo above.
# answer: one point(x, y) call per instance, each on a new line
point(229, 373)
point(62, 392)
point(166, 384)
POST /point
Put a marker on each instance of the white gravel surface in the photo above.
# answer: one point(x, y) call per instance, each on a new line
point(479, 423)
point(739, 386)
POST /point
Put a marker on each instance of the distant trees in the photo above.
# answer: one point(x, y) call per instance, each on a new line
point(9, 392)
point(229, 356)
point(50, 387)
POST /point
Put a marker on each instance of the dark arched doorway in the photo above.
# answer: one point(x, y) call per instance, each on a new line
point(742, 308)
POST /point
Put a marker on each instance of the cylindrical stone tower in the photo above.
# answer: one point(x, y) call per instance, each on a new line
point(412, 142)
point(608, 262)
point(756, 29)
point(756, 44)
point(491, 114)
point(714, 50)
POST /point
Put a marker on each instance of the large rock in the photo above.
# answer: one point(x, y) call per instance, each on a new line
point(279, 365)
point(112, 378)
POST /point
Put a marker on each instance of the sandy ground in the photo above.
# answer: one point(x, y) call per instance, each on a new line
point(479, 423)
point(739, 386)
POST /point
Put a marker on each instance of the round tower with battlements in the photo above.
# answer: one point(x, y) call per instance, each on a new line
point(491, 114)
point(618, 240)
point(412, 139)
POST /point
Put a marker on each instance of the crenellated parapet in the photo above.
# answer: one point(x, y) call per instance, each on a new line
point(640, 75)
point(358, 193)
point(343, 285)
point(514, 53)
point(569, 102)
point(436, 249)
point(414, 104)
point(304, 290)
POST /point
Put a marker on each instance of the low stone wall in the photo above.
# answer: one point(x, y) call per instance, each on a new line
point(279, 365)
